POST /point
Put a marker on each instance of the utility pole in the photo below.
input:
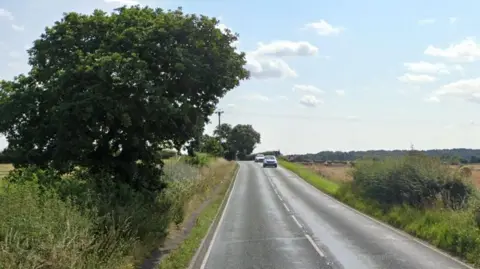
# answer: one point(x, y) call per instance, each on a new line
point(219, 113)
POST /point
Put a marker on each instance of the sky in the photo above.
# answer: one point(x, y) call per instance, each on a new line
point(325, 75)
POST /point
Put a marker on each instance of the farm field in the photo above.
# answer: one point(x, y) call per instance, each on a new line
point(339, 172)
point(4, 169)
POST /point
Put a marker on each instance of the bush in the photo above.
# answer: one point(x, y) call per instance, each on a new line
point(78, 221)
point(414, 180)
point(199, 159)
point(465, 171)
point(39, 229)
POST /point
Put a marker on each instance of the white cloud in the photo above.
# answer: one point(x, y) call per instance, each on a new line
point(340, 92)
point(267, 67)
point(256, 97)
point(307, 89)
point(425, 67)
point(468, 50)
point(468, 89)
point(6, 14)
point(18, 28)
point(432, 99)
point(265, 62)
point(457, 67)
point(452, 19)
point(231, 105)
point(282, 48)
point(416, 78)
point(283, 97)
point(426, 21)
point(310, 101)
point(324, 28)
point(122, 2)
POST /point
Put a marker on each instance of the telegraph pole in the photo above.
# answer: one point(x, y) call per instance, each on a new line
point(219, 113)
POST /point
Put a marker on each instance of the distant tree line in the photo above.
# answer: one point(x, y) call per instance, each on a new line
point(451, 156)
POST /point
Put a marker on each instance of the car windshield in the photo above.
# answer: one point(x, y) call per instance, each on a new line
point(260, 155)
point(270, 157)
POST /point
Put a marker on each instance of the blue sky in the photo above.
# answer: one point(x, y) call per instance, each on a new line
point(326, 75)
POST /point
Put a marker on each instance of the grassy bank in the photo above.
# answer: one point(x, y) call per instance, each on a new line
point(183, 254)
point(76, 222)
point(415, 194)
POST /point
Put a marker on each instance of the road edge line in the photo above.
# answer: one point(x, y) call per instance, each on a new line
point(215, 223)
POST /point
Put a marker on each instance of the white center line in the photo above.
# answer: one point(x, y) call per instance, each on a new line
point(317, 249)
point(297, 222)
point(286, 207)
point(309, 238)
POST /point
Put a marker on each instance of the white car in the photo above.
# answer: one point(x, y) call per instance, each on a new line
point(270, 160)
point(259, 158)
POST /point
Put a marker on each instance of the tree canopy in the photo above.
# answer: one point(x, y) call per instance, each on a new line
point(108, 91)
point(238, 140)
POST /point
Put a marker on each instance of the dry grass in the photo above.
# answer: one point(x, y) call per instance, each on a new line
point(212, 176)
point(4, 169)
point(475, 172)
point(339, 172)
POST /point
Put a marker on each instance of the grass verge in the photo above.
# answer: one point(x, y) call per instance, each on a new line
point(453, 231)
point(183, 254)
point(311, 177)
point(83, 221)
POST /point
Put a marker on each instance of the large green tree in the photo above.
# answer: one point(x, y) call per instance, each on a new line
point(240, 139)
point(107, 91)
point(243, 139)
point(211, 145)
point(223, 131)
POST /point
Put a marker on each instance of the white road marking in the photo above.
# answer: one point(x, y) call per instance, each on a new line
point(286, 207)
point(215, 234)
point(317, 249)
point(309, 238)
point(297, 222)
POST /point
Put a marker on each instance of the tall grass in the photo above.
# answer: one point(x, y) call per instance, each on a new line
point(56, 222)
point(417, 194)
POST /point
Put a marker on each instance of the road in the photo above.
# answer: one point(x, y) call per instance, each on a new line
point(274, 219)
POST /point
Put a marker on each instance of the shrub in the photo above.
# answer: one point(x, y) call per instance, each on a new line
point(199, 159)
point(415, 180)
point(465, 171)
point(40, 230)
point(87, 221)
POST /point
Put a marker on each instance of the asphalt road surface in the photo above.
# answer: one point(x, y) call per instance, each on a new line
point(273, 219)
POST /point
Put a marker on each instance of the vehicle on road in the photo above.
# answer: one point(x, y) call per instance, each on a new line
point(270, 161)
point(259, 158)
